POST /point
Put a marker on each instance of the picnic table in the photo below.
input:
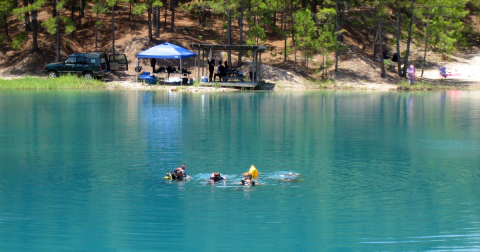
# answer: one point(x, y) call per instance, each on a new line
point(226, 78)
point(232, 75)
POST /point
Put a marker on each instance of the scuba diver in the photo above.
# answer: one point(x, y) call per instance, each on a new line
point(178, 174)
point(217, 177)
point(247, 179)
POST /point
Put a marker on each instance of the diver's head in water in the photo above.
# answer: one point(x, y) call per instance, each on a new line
point(179, 175)
point(216, 176)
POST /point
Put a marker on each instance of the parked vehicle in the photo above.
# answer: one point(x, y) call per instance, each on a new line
point(89, 65)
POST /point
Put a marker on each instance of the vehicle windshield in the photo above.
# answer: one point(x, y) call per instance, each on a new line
point(70, 60)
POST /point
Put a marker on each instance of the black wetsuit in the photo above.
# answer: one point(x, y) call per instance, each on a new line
point(244, 182)
point(175, 177)
point(215, 179)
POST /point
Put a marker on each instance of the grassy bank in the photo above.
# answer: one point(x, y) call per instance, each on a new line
point(63, 82)
point(421, 85)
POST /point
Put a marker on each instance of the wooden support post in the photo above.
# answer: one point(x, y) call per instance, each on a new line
point(203, 60)
point(253, 65)
point(260, 67)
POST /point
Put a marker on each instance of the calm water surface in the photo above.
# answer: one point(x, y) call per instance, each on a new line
point(83, 171)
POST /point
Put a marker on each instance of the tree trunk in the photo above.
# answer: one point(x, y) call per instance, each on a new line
point(129, 12)
point(399, 55)
point(58, 34)
point(27, 17)
point(172, 27)
point(5, 23)
point(409, 40)
point(165, 23)
point(54, 4)
point(81, 13)
point(284, 18)
point(157, 31)
point(293, 38)
point(203, 16)
point(72, 8)
point(274, 19)
point(426, 44)
point(381, 45)
point(229, 37)
point(96, 29)
point(336, 36)
point(149, 10)
point(240, 27)
point(156, 24)
point(113, 31)
point(34, 28)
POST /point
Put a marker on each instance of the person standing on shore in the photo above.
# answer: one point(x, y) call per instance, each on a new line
point(211, 67)
point(153, 63)
point(411, 75)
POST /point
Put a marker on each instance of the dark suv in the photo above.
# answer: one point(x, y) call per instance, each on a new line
point(94, 64)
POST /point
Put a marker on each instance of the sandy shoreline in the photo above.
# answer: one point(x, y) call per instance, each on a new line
point(464, 68)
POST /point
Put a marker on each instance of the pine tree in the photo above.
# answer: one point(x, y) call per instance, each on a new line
point(52, 25)
point(6, 8)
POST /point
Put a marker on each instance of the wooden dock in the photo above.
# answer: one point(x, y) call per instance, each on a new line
point(230, 84)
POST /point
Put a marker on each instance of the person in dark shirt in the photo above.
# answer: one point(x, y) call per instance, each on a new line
point(221, 72)
point(385, 54)
point(153, 62)
point(211, 67)
point(395, 56)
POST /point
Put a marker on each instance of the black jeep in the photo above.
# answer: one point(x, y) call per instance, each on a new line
point(94, 64)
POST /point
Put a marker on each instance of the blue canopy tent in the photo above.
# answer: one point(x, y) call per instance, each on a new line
point(166, 51)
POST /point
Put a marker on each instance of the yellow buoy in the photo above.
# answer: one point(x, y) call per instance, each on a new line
point(253, 171)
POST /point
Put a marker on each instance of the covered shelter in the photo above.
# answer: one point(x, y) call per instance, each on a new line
point(204, 49)
point(166, 51)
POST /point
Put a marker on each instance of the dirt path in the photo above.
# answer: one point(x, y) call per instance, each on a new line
point(464, 67)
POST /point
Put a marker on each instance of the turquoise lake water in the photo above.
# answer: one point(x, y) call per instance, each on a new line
point(381, 171)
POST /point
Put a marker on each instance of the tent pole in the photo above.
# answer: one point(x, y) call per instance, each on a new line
point(198, 67)
point(136, 73)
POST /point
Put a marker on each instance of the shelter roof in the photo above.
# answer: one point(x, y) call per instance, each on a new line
point(229, 47)
point(166, 51)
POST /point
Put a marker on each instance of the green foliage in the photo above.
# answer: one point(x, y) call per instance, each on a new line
point(157, 3)
point(100, 7)
point(216, 85)
point(325, 83)
point(445, 20)
point(69, 25)
point(6, 7)
point(19, 11)
point(139, 8)
point(50, 25)
point(305, 30)
point(419, 85)
point(63, 82)
point(389, 62)
point(256, 32)
point(17, 42)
